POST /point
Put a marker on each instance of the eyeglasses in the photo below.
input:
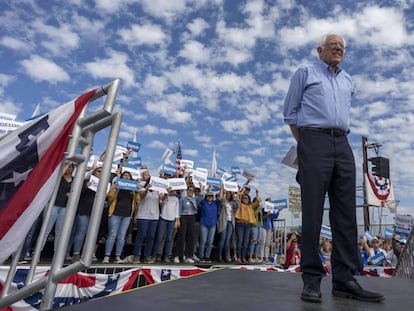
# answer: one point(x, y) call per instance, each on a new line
point(334, 44)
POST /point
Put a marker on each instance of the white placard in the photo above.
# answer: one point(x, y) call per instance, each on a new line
point(230, 186)
point(186, 163)
point(199, 177)
point(94, 183)
point(159, 184)
point(177, 183)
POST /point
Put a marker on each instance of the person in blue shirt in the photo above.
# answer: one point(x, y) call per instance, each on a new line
point(317, 110)
point(208, 220)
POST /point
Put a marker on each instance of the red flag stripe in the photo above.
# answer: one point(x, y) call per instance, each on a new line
point(41, 173)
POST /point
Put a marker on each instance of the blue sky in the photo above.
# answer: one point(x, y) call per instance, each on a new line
point(214, 73)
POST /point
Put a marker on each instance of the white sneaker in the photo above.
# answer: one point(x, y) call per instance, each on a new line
point(177, 259)
point(189, 260)
point(106, 259)
point(196, 259)
point(118, 259)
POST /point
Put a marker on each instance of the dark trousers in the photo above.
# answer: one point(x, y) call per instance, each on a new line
point(327, 165)
point(185, 237)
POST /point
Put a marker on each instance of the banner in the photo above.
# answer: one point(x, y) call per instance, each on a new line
point(159, 184)
point(280, 204)
point(30, 163)
point(199, 177)
point(133, 146)
point(177, 183)
point(82, 286)
point(326, 232)
point(291, 158)
point(230, 186)
point(378, 189)
point(126, 184)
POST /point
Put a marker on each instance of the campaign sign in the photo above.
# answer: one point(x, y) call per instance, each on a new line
point(177, 183)
point(226, 175)
point(402, 232)
point(94, 182)
point(137, 161)
point(248, 175)
point(403, 221)
point(199, 177)
point(186, 163)
point(169, 169)
point(214, 182)
point(159, 184)
point(378, 259)
point(135, 172)
point(230, 186)
point(231, 178)
point(235, 170)
point(114, 166)
point(269, 206)
point(388, 233)
point(220, 171)
point(119, 153)
point(91, 161)
point(326, 232)
point(126, 184)
point(280, 204)
point(202, 169)
point(133, 146)
point(368, 235)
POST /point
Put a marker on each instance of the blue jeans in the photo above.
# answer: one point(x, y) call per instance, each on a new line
point(117, 227)
point(255, 241)
point(146, 230)
point(164, 227)
point(57, 216)
point(243, 234)
point(82, 223)
point(224, 242)
point(206, 240)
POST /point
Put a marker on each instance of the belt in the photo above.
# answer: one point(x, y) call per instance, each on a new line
point(330, 132)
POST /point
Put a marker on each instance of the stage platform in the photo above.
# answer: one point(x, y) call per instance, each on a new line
point(237, 289)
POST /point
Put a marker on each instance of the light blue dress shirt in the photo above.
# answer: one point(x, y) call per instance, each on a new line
point(319, 98)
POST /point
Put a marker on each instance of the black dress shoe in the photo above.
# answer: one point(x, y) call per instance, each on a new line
point(353, 290)
point(311, 293)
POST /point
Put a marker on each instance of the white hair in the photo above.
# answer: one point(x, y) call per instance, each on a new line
point(324, 37)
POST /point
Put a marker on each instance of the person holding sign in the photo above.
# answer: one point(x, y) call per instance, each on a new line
point(121, 209)
point(147, 216)
point(84, 212)
point(245, 219)
point(317, 109)
point(226, 224)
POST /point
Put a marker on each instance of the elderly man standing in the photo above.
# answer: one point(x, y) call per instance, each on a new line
point(317, 109)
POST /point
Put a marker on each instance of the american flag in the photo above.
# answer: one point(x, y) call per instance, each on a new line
point(74, 289)
point(30, 159)
point(178, 154)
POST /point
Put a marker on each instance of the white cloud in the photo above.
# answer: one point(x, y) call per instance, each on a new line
point(244, 160)
point(197, 26)
point(238, 127)
point(195, 51)
point(116, 66)
point(14, 44)
point(42, 69)
point(146, 34)
point(59, 40)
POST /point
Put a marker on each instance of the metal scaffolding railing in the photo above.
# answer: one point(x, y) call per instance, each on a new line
point(78, 150)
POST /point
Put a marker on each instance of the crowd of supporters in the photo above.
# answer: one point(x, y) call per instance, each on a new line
point(186, 226)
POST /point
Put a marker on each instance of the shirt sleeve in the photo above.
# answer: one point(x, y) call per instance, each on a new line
point(294, 96)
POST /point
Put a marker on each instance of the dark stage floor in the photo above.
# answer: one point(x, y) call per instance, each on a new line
point(230, 289)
